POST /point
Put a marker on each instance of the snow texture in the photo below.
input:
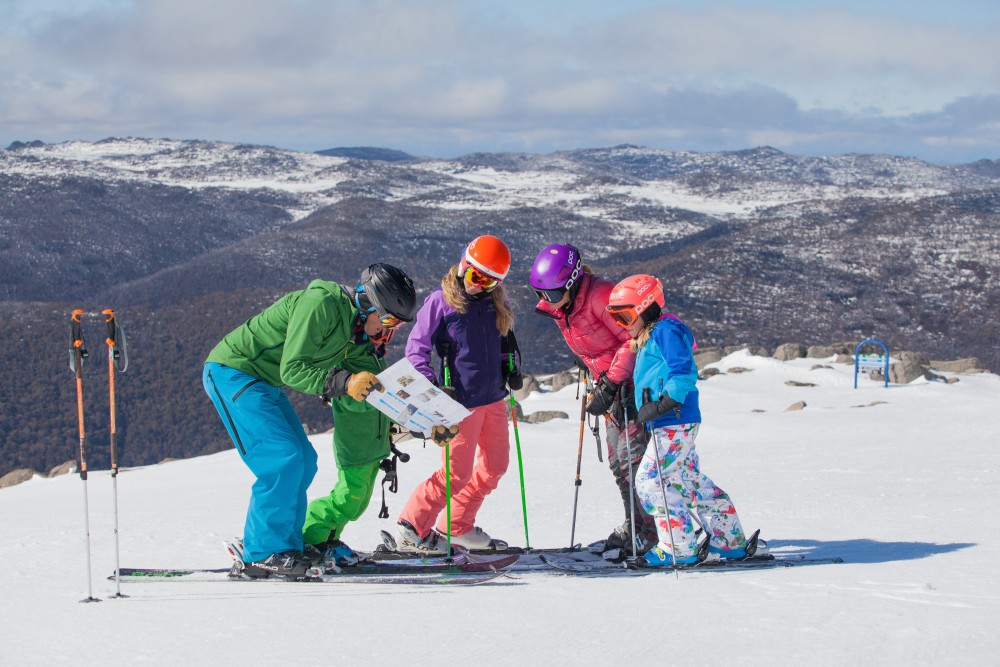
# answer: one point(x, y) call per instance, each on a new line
point(900, 482)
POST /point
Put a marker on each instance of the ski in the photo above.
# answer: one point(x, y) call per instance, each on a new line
point(631, 569)
point(398, 575)
point(458, 565)
point(364, 568)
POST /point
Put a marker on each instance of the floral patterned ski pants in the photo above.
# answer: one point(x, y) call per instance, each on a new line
point(686, 495)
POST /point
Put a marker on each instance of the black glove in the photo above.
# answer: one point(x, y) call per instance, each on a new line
point(336, 384)
point(578, 362)
point(514, 379)
point(604, 395)
point(449, 392)
point(654, 409)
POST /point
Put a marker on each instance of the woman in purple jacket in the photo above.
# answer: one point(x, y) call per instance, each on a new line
point(468, 323)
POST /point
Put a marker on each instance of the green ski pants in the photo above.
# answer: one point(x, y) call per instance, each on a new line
point(346, 502)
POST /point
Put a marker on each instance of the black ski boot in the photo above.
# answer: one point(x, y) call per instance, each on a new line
point(289, 564)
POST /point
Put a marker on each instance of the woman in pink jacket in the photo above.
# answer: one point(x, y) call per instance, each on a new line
point(575, 298)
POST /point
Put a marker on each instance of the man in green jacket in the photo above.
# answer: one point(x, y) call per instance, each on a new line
point(303, 341)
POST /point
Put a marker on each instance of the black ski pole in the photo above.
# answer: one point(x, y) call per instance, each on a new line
point(114, 357)
point(629, 467)
point(596, 429)
point(78, 352)
point(579, 458)
point(663, 492)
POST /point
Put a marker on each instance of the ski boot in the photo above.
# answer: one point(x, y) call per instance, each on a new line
point(477, 538)
point(657, 556)
point(753, 548)
point(337, 554)
point(408, 541)
point(292, 565)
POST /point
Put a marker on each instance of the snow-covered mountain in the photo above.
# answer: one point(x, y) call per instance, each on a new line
point(857, 474)
point(186, 239)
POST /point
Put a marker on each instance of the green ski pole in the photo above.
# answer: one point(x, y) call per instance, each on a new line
point(447, 463)
point(520, 464)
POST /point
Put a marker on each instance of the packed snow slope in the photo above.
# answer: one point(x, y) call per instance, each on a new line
point(900, 482)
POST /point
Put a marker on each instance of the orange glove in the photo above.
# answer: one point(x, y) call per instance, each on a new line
point(442, 436)
point(361, 384)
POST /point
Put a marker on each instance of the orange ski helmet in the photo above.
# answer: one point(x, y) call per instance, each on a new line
point(486, 254)
point(634, 296)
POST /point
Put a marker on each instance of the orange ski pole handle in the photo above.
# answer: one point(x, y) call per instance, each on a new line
point(79, 352)
point(112, 343)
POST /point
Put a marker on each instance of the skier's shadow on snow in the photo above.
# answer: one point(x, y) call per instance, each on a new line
point(863, 551)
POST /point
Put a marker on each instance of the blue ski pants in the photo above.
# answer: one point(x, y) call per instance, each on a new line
point(271, 441)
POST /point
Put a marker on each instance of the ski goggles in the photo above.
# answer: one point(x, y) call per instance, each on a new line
point(390, 322)
point(624, 316)
point(384, 337)
point(474, 276)
point(550, 295)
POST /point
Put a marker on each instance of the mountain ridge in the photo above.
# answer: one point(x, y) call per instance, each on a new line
point(187, 239)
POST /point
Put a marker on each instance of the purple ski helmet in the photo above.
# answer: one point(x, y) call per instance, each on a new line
point(556, 269)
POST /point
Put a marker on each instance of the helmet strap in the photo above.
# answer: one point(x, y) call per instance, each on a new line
point(652, 313)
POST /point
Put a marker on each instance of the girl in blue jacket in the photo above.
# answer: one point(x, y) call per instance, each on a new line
point(668, 482)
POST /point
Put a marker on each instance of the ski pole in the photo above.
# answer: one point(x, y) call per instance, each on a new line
point(579, 458)
point(447, 454)
point(631, 490)
point(520, 465)
point(597, 421)
point(78, 352)
point(114, 354)
point(663, 492)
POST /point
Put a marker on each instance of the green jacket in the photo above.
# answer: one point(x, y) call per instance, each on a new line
point(360, 432)
point(295, 341)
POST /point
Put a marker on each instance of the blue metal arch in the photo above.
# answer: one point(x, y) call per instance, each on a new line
point(885, 359)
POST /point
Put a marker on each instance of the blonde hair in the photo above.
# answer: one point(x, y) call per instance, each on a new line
point(452, 285)
point(640, 341)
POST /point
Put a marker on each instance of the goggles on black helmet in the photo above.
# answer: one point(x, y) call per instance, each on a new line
point(388, 320)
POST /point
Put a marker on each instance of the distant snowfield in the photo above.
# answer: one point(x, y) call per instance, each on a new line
point(313, 180)
point(902, 483)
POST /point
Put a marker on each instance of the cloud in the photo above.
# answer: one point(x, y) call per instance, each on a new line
point(444, 77)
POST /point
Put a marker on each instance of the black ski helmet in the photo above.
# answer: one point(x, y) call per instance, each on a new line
point(389, 291)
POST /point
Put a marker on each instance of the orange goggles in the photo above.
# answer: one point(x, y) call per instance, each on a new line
point(624, 316)
point(390, 322)
point(474, 276)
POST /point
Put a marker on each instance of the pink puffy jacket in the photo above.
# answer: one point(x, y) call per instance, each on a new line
point(591, 333)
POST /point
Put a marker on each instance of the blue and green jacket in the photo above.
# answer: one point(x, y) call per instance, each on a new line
point(665, 365)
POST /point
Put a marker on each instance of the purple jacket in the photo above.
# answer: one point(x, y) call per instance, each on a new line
point(470, 343)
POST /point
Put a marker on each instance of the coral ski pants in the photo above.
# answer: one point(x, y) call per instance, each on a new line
point(271, 441)
point(473, 475)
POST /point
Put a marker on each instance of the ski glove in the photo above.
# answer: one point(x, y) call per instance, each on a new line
point(604, 395)
point(442, 436)
point(514, 379)
point(656, 409)
point(343, 383)
point(449, 392)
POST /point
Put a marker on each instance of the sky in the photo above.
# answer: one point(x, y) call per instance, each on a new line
point(442, 78)
point(858, 474)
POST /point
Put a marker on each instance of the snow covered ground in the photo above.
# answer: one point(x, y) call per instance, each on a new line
point(900, 482)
